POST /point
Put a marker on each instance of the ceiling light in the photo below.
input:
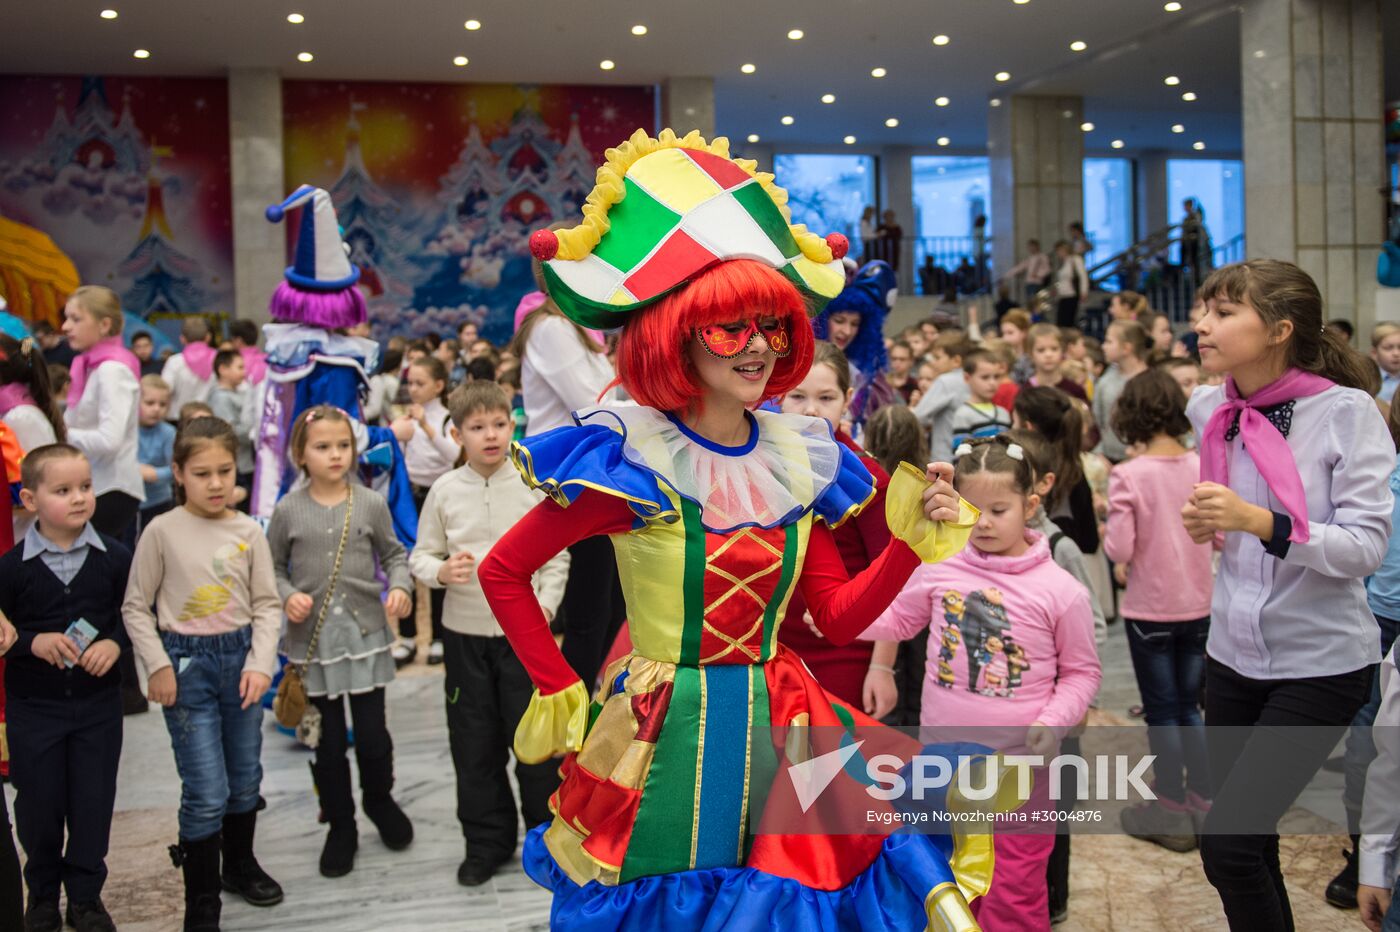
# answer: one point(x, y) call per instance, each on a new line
point(1198, 145)
point(1067, 114)
point(940, 39)
point(1189, 96)
point(1178, 128)
point(1117, 143)
point(1020, 2)
point(108, 14)
point(639, 30)
point(995, 101)
point(849, 140)
point(472, 24)
point(940, 101)
point(1172, 7)
point(892, 122)
point(747, 69)
point(460, 61)
point(1171, 80)
point(296, 19)
point(943, 140)
point(1087, 127)
point(140, 53)
point(828, 98)
point(1003, 76)
point(607, 64)
point(305, 56)
point(795, 34)
point(753, 137)
point(878, 72)
point(786, 121)
point(1078, 46)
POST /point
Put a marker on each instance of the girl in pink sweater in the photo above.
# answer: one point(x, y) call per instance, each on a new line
point(1011, 645)
point(1166, 605)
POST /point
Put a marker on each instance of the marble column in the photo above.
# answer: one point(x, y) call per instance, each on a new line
point(1313, 144)
point(687, 104)
point(255, 165)
point(897, 194)
point(1152, 209)
point(1036, 150)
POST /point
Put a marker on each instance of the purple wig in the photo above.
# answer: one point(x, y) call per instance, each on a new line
point(329, 309)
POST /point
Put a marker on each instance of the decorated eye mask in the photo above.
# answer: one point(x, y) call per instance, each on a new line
point(726, 341)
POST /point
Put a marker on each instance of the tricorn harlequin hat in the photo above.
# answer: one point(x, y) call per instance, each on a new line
point(666, 209)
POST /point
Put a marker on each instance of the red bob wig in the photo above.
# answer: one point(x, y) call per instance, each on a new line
point(652, 362)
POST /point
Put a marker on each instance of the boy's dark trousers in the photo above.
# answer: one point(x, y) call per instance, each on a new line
point(63, 764)
point(487, 692)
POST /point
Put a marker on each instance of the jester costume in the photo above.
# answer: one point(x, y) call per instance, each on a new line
point(871, 294)
point(656, 820)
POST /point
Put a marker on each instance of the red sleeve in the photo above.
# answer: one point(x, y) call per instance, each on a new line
point(1005, 396)
point(870, 523)
point(842, 608)
point(506, 572)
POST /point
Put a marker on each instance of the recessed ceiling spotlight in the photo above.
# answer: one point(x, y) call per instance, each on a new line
point(305, 56)
point(892, 122)
point(795, 34)
point(1021, 2)
point(828, 98)
point(1189, 96)
point(1067, 114)
point(1077, 46)
point(460, 61)
point(1117, 143)
point(140, 53)
point(1087, 127)
point(108, 14)
point(607, 64)
point(1171, 80)
point(786, 121)
point(849, 140)
point(1198, 145)
point(878, 72)
point(940, 101)
point(747, 69)
point(995, 101)
point(1178, 128)
point(639, 30)
point(943, 140)
point(1172, 7)
point(472, 24)
point(940, 39)
point(1003, 76)
point(296, 19)
point(753, 137)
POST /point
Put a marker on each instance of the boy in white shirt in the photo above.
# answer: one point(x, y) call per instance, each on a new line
point(466, 511)
point(190, 372)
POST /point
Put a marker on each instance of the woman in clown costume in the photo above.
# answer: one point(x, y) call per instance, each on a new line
point(717, 513)
point(855, 321)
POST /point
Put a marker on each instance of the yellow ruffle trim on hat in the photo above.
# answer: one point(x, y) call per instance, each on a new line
point(933, 541)
point(553, 724)
point(578, 242)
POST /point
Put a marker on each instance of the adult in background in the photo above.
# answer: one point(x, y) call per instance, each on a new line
point(1071, 283)
point(1196, 251)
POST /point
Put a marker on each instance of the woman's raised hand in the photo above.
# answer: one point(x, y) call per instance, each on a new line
point(940, 500)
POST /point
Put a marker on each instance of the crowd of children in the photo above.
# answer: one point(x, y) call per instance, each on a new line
point(1086, 461)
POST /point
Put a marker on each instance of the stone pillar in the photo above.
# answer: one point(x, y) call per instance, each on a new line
point(255, 165)
point(687, 104)
point(1036, 150)
point(897, 194)
point(1313, 144)
point(1153, 212)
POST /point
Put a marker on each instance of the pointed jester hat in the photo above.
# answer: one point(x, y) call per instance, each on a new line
point(666, 209)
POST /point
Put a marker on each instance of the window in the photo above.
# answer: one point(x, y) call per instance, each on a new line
point(828, 192)
point(950, 193)
point(1108, 207)
point(1218, 185)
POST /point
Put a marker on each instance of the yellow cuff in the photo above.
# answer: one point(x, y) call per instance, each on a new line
point(552, 725)
point(904, 513)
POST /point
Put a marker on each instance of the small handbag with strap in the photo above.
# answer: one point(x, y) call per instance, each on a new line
point(290, 705)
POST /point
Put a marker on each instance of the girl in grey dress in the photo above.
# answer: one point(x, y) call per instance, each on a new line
point(350, 657)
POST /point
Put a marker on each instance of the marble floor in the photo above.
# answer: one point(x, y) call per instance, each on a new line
point(1119, 884)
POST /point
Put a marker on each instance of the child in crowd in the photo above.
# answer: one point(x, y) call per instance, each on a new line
point(11, 878)
point(1015, 325)
point(916, 340)
point(1127, 305)
point(1185, 372)
point(155, 443)
point(345, 652)
point(859, 673)
point(464, 513)
point(1125, 348)
point(947, 391)
point(509, 380)
point(27, 403)
point(1096, 363)
point(900, 375)
point(63, 704)
point(1052, 414)
point(60, 381)
point(1385, 350)
point(243, 334)
point(144, 348)
point(383, 388)
point(978, 416)
point(927, 372)
point(1159, 330)
point(1011, 649)
point(467, 333)
point(429, 451)
point(1165, 604)
point(1048, 355)
point(190, 411)
point(203, 615)
point(1296, 459)
point(190, 372)
point(228, 399)
point(449, 353)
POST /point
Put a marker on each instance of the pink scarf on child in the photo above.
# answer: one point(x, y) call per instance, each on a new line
point(254, 364)
point(13, 395)
point(200, 358)
point(1267, 447)
point(108, 350)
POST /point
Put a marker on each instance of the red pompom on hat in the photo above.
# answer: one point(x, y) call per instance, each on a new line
point(839, 245)
point(544, 245)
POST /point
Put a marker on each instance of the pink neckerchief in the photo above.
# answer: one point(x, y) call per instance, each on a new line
point(13, 395)
point(108, 350)
point(200, 358)
point(1267, 447)
point(254, 363)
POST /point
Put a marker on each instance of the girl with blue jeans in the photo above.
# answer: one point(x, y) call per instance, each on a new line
point(210, 647)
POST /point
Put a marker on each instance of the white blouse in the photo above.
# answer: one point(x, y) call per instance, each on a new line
point(104, 426)
point(30, 427)
point(559, 376)
point(1306, 614)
